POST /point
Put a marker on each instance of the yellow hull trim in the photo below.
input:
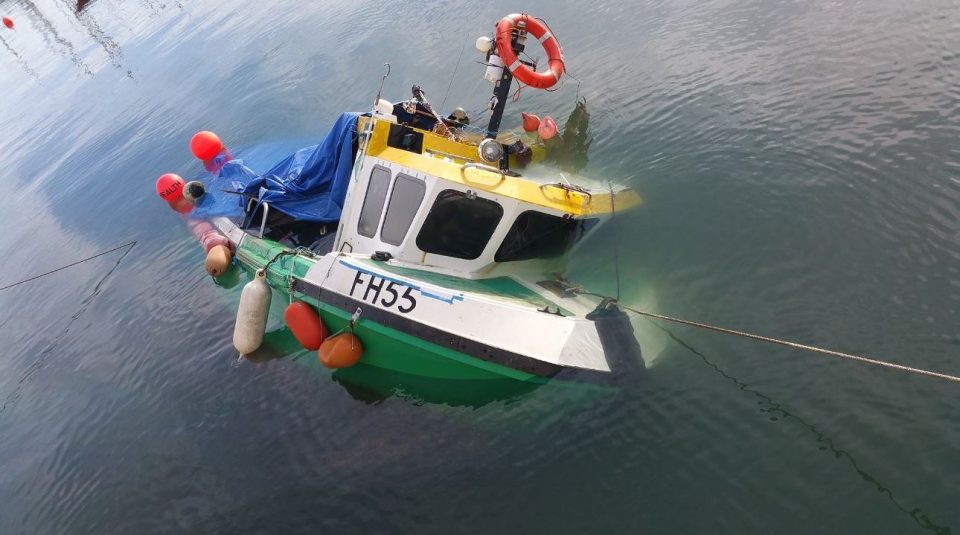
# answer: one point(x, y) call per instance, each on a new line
point(440, 158)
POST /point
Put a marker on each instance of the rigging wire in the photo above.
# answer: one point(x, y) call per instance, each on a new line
point(452, 77)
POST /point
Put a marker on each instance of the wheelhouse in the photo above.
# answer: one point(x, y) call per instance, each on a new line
point(427, 202)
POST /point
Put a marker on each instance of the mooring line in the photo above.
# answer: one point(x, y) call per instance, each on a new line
point(130, 244)
point(795, 345)
point(14, 396)
point(917, 514)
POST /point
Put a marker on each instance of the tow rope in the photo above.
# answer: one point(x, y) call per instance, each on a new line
point(794, 345)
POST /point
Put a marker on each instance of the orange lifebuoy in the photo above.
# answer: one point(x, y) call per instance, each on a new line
point(536, 28)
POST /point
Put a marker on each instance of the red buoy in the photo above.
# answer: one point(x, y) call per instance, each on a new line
point(170, 187)
point(548, 127)
point(305, 325)
point(340, 351)
point(213, 166)
point(530, 122)
point(205, 145)
point(8, 22)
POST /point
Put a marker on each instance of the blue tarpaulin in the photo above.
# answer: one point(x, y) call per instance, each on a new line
point(309, 185)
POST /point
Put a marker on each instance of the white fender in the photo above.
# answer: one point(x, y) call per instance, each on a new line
point(252, 314)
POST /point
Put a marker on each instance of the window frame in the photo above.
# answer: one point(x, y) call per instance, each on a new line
point(403, 177)
point(383, 201)
point(471, 196)
point(581, 226)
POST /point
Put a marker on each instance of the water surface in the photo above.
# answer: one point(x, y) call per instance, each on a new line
point(801, 173)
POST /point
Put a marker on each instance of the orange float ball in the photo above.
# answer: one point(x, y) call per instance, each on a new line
point(8, 22)
point(548, 128)
point(340, 351)
point(170, 187)
point(205, 145)
point(530, 122)
point(305, 324)
point(218, 260)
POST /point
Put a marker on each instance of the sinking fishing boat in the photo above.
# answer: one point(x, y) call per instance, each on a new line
point(418, 243)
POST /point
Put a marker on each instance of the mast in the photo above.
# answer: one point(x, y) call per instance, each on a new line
point(501, 91)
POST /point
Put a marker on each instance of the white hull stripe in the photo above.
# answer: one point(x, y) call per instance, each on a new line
point(446, 299)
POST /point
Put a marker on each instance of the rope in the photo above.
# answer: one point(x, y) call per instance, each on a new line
point(15, 395)
point(130, 244)
point(795, 345)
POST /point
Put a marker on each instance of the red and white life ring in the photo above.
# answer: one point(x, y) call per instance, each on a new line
point(536, 28)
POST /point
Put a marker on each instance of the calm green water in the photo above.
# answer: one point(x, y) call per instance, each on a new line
point(801, 168)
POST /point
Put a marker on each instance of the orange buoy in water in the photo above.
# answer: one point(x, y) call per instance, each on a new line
point(305, 325)
point(218, 260)
point(205, 145)
point(548, 127)
point(340, 351)
point(8, 22)
point(170, 187)
point(530, 122)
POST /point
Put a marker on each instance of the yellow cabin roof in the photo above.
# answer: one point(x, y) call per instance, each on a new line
point(458, 162)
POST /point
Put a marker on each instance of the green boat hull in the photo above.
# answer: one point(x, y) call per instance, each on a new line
point(383, 347)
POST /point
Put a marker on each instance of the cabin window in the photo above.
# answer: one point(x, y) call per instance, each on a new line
point(459, 225)
point(373, 203)
point(539, 235)
point(405, 201)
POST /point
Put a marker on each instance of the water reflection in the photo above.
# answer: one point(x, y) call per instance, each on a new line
point(108, 45)
point(50, 35)
point(57, 41)
point(20, 61)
